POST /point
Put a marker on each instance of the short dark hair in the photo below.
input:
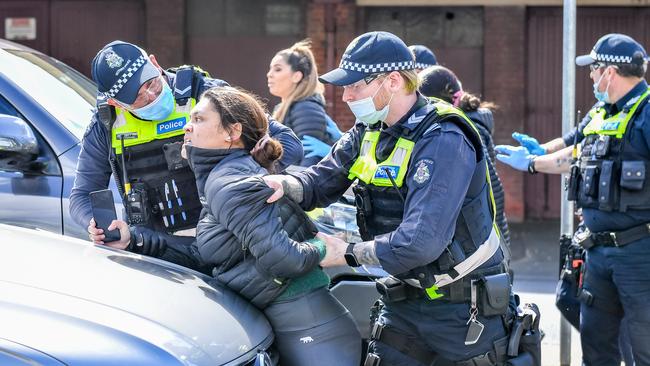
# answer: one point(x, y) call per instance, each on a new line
point(631, 70)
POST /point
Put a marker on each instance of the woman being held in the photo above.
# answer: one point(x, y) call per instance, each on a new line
point(440, 82)
point(266, 252)
point(293, 77)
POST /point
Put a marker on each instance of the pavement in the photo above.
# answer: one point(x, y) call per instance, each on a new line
point(535, 261)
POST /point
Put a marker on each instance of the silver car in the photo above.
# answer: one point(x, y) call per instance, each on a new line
point(64, 301)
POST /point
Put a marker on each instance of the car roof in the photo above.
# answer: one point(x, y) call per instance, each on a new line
point(8, 45)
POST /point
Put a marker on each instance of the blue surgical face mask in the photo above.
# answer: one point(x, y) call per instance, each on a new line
point(365, 110)
point(160, 108)
point(604, 95)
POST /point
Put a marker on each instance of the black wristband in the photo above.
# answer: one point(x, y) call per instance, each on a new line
point(531, 165)
point(349, 256)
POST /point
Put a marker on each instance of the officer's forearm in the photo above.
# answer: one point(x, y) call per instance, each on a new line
point(365, 253)
point(554, 145)
point(292, 188)
point(556, 163)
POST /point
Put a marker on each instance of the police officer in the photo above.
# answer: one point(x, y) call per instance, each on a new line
point(424, 209)
point(424, 57)
point(136, 135)
point(612, 188)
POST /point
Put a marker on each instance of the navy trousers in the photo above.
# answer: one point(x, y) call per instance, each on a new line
point(619, 280)
point(439, 325)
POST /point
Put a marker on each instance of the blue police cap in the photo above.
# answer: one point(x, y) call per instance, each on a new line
point(424, 57)
point(614, 48)
point(370, 53)
point(120, 68)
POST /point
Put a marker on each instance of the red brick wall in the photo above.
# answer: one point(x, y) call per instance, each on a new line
point(504, 65)
point(343, 28)
point(165, 30)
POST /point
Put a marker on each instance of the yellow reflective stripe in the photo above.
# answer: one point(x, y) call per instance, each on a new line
point(615, 125)
point(399, 158)
point(146, 131)
point(365, 166)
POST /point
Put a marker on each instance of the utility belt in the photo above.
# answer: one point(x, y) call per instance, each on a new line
point(621, 238)
point(492, 286)
point(520, 347)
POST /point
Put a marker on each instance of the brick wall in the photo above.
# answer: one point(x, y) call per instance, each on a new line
point(165, 31)
point(334, 38)
point(503, 80)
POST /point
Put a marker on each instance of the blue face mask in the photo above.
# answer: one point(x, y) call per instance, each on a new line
point(159, 108)
point(604, 95)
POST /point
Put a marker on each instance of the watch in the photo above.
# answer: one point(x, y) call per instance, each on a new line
point(531, 165)
point(350, 258)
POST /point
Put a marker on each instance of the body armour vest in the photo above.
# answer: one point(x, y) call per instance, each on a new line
point(148, 154)
point(380, 195)
point(613, 175)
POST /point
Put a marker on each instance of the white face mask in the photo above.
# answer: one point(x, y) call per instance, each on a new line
point(365, 110)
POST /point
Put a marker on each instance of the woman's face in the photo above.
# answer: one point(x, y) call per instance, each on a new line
point(281, 80)
point(205, 130)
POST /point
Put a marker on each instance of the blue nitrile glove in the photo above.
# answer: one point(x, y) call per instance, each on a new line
point(517, 157)
point(529, 143)
point(314, 147)
point(333, 129)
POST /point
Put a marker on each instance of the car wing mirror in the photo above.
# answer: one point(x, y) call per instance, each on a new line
point(18, 144)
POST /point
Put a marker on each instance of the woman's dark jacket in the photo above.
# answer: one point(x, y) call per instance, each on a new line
point(485, 124)
point(244, 238)
point(308, 117)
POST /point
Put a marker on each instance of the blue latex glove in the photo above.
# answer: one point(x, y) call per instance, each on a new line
point(529, 143)
point(314, 147)
point(333, 129)
point(517, 157)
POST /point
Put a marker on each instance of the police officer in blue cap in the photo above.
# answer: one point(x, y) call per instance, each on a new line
point(424, 209)
point(136, 135)
point(611, 183)
point(424, 57)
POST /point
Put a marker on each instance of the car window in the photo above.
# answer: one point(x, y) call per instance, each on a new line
point(63, 92)
point(7, 108)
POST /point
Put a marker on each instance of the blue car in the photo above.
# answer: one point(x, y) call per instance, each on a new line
point(45, 107)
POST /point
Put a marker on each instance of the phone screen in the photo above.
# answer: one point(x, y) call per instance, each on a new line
point(103, 208)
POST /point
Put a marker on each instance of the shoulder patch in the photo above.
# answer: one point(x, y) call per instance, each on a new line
point(423, 169)
point(433, 127)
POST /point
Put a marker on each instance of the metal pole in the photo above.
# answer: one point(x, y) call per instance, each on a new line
point(568, 121)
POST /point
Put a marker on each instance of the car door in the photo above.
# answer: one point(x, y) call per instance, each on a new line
point(30, 196)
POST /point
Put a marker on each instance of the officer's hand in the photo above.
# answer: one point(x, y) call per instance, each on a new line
point(517, 157)
point(275, 182)
point(333, 130)
point(125, 236)
point(96, 235)
point(148, 242)
point(314, 147)
point(335, 250)
point(529, 143)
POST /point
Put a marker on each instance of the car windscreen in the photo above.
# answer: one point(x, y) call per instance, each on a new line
point(64, 92)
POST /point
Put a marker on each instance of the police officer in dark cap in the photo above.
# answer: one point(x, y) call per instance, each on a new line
point(424, 210)
point(424, 57)
point(136, 135)
point(611, 183)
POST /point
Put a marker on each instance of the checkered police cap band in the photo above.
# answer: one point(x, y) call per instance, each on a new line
point(420, 65)
point(383, 67)
point(615, 59)
point(126, 75)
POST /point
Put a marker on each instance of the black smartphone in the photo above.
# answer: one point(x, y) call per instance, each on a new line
point(103, 208)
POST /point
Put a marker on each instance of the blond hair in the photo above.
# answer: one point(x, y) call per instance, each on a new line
point(300, 58)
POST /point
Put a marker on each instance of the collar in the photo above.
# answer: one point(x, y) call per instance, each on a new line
point(203, 161)
point(639, 89)
point(400, 126)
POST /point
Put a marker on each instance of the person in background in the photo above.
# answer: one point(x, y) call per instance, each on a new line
point(440, 82)
point(271, 262)
point(293, 77)
point(424, 57)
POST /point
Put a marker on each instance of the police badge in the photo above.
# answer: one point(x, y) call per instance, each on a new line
point(113, 59)
point(422, 173)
